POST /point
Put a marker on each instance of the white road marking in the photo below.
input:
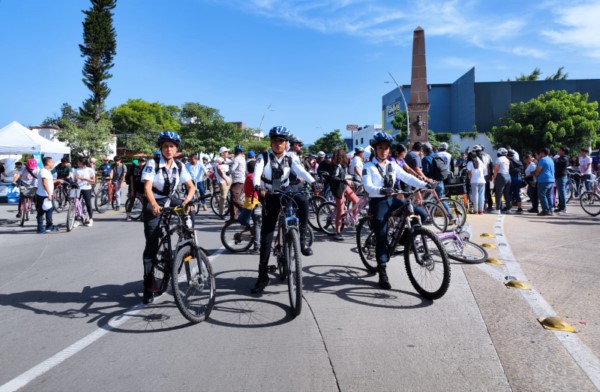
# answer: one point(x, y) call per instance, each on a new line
point(36, 371)
point(583, 356)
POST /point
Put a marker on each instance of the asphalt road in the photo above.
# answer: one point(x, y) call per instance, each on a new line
point(72, 317)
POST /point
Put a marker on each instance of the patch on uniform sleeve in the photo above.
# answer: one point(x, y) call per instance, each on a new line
point(148, 169)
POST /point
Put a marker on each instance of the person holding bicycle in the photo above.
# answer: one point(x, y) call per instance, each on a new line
point(28, 177)
point(272, 174)
point(118, 171)
point(378, 177)
point(160, 182)
point(85, 177)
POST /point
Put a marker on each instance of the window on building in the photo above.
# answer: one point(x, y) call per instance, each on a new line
point(361, 140)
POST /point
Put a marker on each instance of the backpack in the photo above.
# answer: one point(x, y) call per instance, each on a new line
point(515, 168)
point(439, 171)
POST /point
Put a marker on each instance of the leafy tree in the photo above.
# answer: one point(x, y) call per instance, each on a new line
point(555, 118)
point(87, 139)
point(99, 48)
point(137, 123)
point(205, 130)
point(536, 73)
point(559, 75)
point(67, 115)
point(328, 142)
point(399, 124)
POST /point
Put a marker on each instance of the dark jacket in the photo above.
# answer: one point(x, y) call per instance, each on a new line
point(560, 166)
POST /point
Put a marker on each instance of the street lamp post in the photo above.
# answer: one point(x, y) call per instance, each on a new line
point(403, 101)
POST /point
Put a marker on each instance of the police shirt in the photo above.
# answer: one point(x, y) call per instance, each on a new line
point(263, 168)
point(373, 181)
point(158, 176)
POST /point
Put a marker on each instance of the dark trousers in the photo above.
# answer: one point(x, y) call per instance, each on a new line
point(87, 198)
point(533, 196)
point(152, 232)
point(381, 209)
point(488, 193)
point(39, 200)
point(270, 213)
point(236, 195)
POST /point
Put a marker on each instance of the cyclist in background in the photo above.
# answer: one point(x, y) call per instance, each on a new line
point(85, 177)
point(136, 187)
point(272, 173)
point(379, 176)
point(29, 177)
point(105, 167)
point(118, 171)
point(198, 172)
point(160, 182)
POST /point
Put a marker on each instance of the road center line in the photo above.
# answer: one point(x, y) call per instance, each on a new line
point(36, 371)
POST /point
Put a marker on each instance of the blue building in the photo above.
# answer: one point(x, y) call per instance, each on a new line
point(466, 105)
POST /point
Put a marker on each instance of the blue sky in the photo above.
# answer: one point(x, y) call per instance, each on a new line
point(319, 64)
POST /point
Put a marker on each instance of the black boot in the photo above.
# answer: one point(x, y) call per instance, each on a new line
point(263, 279)
point(148, 289)
point(384, 282)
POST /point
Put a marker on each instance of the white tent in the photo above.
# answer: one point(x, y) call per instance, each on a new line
point(16, 139)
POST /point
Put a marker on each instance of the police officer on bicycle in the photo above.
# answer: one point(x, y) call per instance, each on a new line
point(161, 177)
point(271, 174)
point(378, 180)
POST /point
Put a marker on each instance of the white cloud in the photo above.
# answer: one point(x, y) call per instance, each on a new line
point(579, 31)
point(528, 52)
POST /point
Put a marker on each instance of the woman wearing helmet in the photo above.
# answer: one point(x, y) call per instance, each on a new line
point(272, 173)
point(501, 180)
point(379, 176)
point(161, 177)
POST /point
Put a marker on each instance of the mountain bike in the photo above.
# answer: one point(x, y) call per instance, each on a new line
point(590, 200)
point(237, 237)
point(425, 258)
point(105, 196)
point(26, 193)
point(185, 265)
point(76, 210)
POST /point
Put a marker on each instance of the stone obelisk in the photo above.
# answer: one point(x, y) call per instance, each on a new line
point(419, 93)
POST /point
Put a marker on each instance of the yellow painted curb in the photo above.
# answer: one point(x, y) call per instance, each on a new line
point(489, 246)
point(487, 235)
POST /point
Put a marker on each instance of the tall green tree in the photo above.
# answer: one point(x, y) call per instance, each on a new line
point(553, 119)
point(67, 115)
point(536, 73)
point(88, 139)
point(328, 142)
point(399, 124)
point(137, 123)
point(99, 48)
point(205, 130)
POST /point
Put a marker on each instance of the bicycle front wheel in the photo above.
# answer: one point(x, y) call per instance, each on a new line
point(309, 236)
point(365, 243)
point(236, 237)
point(22, 211)
point(135, 207)
point(71, 215)
point(438, 216)
point(590, 202)
point(101, 201)
point(293, 258)
point(58, 200)
point(193, 283)
point(326, 218)
point(426, 263)
point(214, 205)
point(314, 204)
point(464, 251)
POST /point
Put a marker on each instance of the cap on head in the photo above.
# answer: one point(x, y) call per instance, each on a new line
point(358, 150)
point(251, 154)
point(510, 153)
point(222, 150)
point(476, 148)
point(321, 154)
point(443, 146)
point(427, 146)
point(142, 159)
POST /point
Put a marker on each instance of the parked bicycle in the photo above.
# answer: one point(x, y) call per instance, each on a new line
point(326, 214)
point(459, 248)
point(590, 200)
point(425, 258)
point(76, 209)
point(105, 196)
point(60, 196)
point(185, 265)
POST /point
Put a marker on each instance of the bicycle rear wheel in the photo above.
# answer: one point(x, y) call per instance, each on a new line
point(293, 258)
point(590, 202)
point(214, 205)
point(458, 211)
point(71, 215)
point(309, 236)
point(58, 200)
point(101, 201)
point(161, 267)
point(135, 207)
point(193, 283)
point(464, 251)
point(438, 215)
point(314, 203)
point(365, 243)
point(236, 237)
point(426, 263)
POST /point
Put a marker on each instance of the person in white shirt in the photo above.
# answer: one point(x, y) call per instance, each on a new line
point(585, 168)
point(27, 177)
point(198, 172)
point(356, 165)
point(378, 179)
point(222, 175)
point(85, 177)
point(43, 201)
point(476, 174)
point(501, 181)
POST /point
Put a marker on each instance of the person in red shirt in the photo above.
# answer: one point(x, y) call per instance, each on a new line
point(251, 203)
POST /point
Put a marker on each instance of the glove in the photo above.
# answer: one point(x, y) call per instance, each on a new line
point(386, 191)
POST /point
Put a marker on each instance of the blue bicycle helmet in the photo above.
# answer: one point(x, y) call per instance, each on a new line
point(238, 148)
point(381, 137)
point(279, 132)
point(168, 136)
